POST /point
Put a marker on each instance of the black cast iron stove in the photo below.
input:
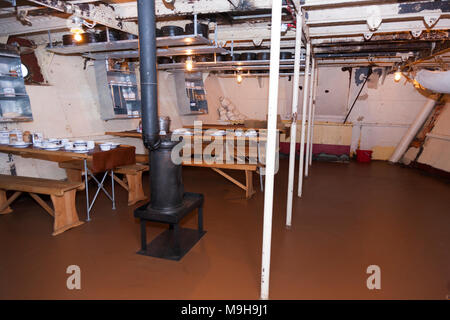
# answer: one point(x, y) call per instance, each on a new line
point(168, 201)
point(169, 204)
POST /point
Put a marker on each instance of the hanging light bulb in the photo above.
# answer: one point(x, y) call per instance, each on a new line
point(397, 75)
point(77, 37)
point(239, 78)
point(189, 64)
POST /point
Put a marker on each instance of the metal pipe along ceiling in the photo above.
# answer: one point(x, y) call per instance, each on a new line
point(437, 81)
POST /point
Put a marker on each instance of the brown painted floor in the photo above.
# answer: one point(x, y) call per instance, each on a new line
point(351, 216)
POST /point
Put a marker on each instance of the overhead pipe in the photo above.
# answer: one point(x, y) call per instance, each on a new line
point(295, 90)
point(305, 103)
point(148, 75)
point(310, 106)
point(316, 76)
point(413, 129)
point(271, 145)
point(437, 81)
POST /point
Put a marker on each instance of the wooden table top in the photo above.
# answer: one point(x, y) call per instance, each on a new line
point(60, 155)
point(125, 134)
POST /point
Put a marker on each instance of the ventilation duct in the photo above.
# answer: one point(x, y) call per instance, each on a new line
point(437, 81)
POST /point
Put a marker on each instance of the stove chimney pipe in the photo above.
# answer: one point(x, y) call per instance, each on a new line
point(149, 88)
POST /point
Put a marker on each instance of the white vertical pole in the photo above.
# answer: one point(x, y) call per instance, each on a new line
point(316, 77)
point(310, 106)
point(295, 89)
point(305, 105)
point(271, 145)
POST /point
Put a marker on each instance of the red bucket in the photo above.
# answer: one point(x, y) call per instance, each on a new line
point(363, 155)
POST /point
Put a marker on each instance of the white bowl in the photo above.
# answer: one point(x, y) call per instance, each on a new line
point(114, 145)
point(105, 146)
point(80, 143)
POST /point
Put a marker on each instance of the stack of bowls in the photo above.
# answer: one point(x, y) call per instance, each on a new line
point(4, 137)
point(234, 57)
point(164, 60)
point(172, 31)
point(202, 29)
point(248, 56)
point(284, 55)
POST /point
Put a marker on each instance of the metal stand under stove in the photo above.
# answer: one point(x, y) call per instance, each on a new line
point(175, 242)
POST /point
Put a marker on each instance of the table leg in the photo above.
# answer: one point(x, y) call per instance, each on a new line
point(112, 189)
point(87, 189)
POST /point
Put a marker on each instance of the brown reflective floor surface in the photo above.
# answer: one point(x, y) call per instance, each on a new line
point(351, 216)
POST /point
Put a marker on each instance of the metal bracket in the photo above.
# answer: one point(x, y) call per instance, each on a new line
point(374, 18)
point(368, 35)
point(257, 42)
point(431, 20)
point(221, 43)
point(416, 33)
point(404, 56)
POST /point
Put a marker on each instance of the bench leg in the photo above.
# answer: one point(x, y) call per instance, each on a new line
point(249, 184)
point(65, 212)
point(4, 202)
point(75, 175)
point(135, 190)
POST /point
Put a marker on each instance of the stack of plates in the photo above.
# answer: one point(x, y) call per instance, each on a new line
point(50, 146)
point(251, 133)
point(182, 131)
point(19, 144)
point(218, 133)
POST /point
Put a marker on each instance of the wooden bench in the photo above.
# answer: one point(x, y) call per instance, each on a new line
point(248, 168)
point(62, 194)
point(132, 181)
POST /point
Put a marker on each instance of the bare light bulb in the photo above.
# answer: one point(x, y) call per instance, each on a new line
point(77, 37)
point(189, 65)
point(239, 78)
point(397, 76)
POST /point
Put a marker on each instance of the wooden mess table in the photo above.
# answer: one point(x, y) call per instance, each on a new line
point(99, 161)
point(249, 168)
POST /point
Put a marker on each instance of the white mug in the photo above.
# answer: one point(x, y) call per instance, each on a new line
point(90, 144)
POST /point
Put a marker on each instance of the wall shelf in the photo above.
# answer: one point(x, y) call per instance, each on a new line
point(176, 51)
point(230, 65)
point(175, 41)
point(118, 92)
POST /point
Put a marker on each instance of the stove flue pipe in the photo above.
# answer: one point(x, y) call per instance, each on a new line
point(149, 88)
